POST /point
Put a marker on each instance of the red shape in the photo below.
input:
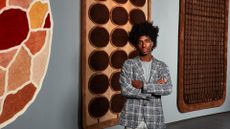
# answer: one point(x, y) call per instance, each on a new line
point(14, 28)
point(16, 102)
point(6, 57)
point(47, 22)
point(36, 41)
point(2, 3)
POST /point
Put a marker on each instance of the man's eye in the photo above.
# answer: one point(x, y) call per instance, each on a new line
point(148, 40)
point(140, 42)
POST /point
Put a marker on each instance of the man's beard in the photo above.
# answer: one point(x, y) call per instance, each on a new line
point(143, 53)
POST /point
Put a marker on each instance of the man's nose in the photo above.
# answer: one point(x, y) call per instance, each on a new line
point(143, 44)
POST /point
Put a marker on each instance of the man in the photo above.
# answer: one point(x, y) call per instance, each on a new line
point(144, 79)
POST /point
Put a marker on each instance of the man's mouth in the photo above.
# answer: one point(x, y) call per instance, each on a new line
point(145, 50)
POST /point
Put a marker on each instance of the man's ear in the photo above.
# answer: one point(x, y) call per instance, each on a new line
point(154, 45)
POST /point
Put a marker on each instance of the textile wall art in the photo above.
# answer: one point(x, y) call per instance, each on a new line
point(25, 41)
point(104, 42)
point(203, 37)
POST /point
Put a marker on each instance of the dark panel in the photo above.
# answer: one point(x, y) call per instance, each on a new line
point(133, 54)
point(117, 103)
point(99, 13)
point(99, 37)
point(202, 54)
point(98, 107)
point(121, 1)
point(117, 58)
point(137, 16)
point(99, 60)
point(119, 16)
point(98, 83)
point(119, 37)
point(138, 2)
point(115, 85)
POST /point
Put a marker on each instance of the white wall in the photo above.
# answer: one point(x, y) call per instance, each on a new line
point(165, 14)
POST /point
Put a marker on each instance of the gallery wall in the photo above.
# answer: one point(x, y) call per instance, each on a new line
point(57, 106)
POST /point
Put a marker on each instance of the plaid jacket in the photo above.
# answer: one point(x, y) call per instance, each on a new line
point(144, 104)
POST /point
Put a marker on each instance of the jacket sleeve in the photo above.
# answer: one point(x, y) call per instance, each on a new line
point(127, 89)
point(160, 89)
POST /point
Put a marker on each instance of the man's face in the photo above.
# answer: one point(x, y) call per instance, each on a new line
point(144, 45)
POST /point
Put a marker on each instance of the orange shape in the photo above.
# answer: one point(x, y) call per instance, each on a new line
point(19, 71)
point(2, 82)
point(22, 3)
point(40, 63)
point(2, 3)
point(16, 102)
point(36, 41)
point(37, 14)
point(6, 57)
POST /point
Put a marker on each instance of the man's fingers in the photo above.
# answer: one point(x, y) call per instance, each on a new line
point(162, 81)
point(137, 84)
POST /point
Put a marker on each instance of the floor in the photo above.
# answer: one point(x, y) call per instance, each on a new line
point(217, 121)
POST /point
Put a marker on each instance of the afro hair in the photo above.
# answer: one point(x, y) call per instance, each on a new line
point(143, 29)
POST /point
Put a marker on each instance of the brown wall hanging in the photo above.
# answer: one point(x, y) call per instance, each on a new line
point(202, 54)
point(104, 47)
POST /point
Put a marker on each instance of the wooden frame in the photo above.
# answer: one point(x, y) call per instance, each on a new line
point(104, 25)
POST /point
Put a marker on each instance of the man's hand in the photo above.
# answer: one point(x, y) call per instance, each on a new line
point(137, 84)
point(162, 81)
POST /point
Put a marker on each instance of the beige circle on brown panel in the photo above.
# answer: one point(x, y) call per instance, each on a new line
point(114, 81)
point(98, 106)
point(119, 16)
point(136, 16)
point(98, 60)
point(117, 103)
point(119, 37)
point(117, 58)
point(26, 29)
point(98, 83)
point(99, 13)
point(99, 36)
point(139, 3)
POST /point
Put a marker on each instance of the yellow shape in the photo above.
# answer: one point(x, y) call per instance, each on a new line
point(37, 14)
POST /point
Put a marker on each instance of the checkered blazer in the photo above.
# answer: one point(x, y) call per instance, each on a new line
point(144, 104)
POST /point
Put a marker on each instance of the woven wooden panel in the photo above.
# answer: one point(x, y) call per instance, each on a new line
point(104, 43)
point(202, 54)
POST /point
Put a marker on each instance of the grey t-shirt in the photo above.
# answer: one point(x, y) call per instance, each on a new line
point(146, 67)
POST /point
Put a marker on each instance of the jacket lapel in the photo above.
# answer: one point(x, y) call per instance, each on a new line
point(140, 69)
point(153, 71)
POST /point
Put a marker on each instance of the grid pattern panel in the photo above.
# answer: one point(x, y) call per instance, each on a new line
point(203, 53)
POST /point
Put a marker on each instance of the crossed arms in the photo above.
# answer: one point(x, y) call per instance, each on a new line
point(139, 89)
